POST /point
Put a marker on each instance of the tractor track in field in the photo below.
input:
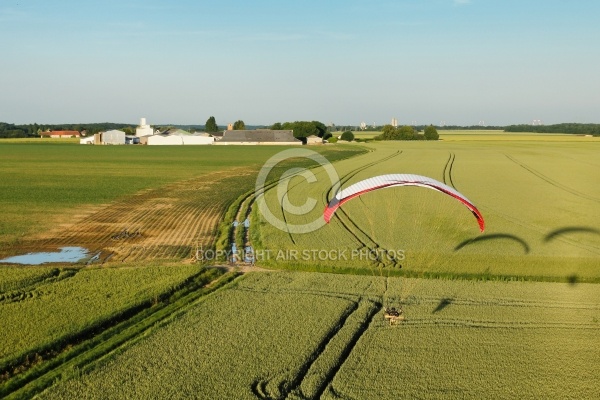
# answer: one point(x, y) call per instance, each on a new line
point(335, 347)
point(552, 182)
point(161, 223)
point(88, 346)
point(362, 328)
point(246, 202)
point(447, 173)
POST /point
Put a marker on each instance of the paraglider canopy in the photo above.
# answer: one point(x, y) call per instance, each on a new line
point(391, 180)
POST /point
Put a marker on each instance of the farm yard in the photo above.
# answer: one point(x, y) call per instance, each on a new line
point(510, 312)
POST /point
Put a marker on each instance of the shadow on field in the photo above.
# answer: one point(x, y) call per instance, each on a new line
point(445, 302)
point(570, 229)
point(494, 236)
point(572, 279)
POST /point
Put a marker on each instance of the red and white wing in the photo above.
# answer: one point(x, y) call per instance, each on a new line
point(391, 180)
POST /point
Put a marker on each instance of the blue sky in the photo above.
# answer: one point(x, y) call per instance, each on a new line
point(343, 62)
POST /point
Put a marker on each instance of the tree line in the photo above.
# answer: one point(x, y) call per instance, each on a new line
point(33, 130)
point(573, 128)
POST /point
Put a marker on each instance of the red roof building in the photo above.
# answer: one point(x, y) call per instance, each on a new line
point(60, 134)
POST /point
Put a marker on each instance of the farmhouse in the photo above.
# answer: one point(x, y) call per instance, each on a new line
point(259, 136)
point(60, 134)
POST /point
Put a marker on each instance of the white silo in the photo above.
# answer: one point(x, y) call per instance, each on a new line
point(143, 129)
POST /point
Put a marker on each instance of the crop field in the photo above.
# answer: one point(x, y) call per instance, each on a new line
point(123, 203)
point(539, 200)
point(311, 335)
point(59, 303)
point(511, 312)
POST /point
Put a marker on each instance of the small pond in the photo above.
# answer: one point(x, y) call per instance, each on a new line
point(65, 254)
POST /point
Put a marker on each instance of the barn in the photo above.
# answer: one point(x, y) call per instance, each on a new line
point(179, 138)
point(259, 136)
point(113, 137)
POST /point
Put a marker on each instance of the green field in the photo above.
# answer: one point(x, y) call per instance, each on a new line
point(45, 184)
point(538, 198)
point(75, 300)
point(510, 313)
point(487, 134)
point(308, 335)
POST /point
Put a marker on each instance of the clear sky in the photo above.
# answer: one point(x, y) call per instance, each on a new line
point(334, 61)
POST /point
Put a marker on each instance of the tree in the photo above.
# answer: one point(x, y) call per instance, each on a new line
point(401, 133)
point(239, 125)
point(320, 127)
point(301, 128)
point(348, 136)
point(211, 125)
point(389, 132)
point(431, 133)
point(407, 133)
point(277, 126)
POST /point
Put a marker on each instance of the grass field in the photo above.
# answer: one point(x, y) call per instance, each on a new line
point(70, 195)
point(69, 301)
point(308, 335)
point(155, 328)
point(538, 198)
point(486, 134)
point(45, 182)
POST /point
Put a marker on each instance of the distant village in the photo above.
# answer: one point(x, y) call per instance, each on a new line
point(146, 135)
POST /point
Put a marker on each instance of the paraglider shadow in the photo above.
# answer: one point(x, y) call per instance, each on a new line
point(570, 229)
point(494, 236)
point(445, 302)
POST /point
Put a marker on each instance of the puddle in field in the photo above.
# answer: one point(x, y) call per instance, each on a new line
point(66, 254)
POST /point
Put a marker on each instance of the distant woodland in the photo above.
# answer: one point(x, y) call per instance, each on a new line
point(33, 130)
point(574, 128)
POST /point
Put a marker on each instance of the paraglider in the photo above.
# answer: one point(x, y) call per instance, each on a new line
point(392, 180)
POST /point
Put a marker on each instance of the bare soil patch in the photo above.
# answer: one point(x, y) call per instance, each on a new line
point(163, 223)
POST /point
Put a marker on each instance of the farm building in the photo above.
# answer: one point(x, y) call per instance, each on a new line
point(60, 134)
point(259, 136)
point(109, 137)
point(144, 129)
point(87, 140)
point(176, 139)
point(313, 139)
point(113, 137)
